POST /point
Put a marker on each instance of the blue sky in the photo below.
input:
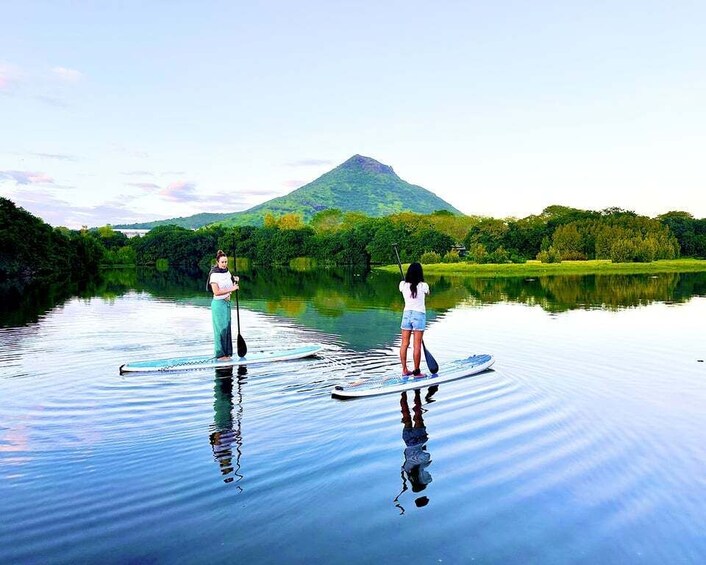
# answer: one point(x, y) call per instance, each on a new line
point(115, 112)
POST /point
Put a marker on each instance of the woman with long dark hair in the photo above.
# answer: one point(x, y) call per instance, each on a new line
point(414, 317)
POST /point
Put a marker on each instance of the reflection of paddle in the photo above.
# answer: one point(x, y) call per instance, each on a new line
point(431, 362)
point(241, 345)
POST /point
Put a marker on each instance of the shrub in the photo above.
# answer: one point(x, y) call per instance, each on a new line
point(500, 255)
point(570, 255)
point(622, 251)
point(477, 253)
point(430, 257)
point(451, 257)
point(551, 255)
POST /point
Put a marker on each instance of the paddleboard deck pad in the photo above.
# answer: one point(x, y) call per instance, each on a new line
point(386, 384)
point(205, 362)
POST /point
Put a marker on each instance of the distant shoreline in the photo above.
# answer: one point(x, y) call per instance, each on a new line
point(535, 268)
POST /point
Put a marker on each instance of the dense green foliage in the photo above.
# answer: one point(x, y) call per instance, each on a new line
point(562, 233)
point(30, 248)
point(182, 248)
point(690, 233)
point(335, 237)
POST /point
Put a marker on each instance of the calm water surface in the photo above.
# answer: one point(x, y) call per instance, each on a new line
point(585, 444)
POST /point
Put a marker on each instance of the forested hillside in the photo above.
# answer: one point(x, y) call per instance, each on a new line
point(29, 248)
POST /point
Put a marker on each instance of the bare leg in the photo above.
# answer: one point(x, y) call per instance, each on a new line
point(403, 349)
point(417, 351)
point(404, 408)
point(418, 413)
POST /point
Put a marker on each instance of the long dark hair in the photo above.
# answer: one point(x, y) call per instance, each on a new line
point(414, 276)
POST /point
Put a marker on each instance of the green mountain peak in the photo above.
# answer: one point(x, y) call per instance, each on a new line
point(367, 164)
point(359, 184)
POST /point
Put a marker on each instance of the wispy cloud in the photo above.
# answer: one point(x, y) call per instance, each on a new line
point(310, 163)
point(180, 191)
point(144, 185)
point(57, 212)
point(26, 177)
point(138, 173)
point(55, 156)
point(66, 74)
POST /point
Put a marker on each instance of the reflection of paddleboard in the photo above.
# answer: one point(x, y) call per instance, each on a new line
point(204, 362)
point(385, 384)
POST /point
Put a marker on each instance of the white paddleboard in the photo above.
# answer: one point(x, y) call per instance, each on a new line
point(386, 384)
point(205, 362)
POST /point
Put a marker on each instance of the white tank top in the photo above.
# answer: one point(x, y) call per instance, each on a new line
point(224, 282)
point(417, 303)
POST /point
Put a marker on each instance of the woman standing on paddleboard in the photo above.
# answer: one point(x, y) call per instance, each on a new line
point(222, 283)
point(414, 317)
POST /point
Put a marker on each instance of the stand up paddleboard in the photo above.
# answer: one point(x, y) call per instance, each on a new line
point(204, 362)
point(386, 384)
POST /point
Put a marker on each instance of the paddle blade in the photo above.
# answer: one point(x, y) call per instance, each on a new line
point(431, 362)
point(241, 346)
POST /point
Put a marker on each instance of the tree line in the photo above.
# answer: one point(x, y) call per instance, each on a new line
point(31, 248)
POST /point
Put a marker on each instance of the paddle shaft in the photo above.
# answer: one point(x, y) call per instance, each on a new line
point(399, 263)
point(242, 347)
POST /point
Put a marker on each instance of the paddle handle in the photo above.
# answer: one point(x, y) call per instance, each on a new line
point(399, 263)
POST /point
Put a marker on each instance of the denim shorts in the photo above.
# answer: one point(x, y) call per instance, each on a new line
point(413, 320)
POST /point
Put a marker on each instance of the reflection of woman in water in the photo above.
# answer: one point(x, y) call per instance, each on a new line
point(416, 457)
point(225, 434)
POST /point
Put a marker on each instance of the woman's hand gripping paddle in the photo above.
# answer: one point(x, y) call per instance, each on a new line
point(241, 346)
point(428, 357)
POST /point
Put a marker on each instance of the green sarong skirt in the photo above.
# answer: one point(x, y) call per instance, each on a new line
point(222, 336)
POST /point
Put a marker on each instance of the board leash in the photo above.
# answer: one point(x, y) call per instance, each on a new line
point(186, 364)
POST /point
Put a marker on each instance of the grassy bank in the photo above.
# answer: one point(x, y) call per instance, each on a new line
point(535, 268)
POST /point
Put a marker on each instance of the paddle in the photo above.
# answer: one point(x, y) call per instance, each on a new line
point(242, 347)
point(431, 362)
